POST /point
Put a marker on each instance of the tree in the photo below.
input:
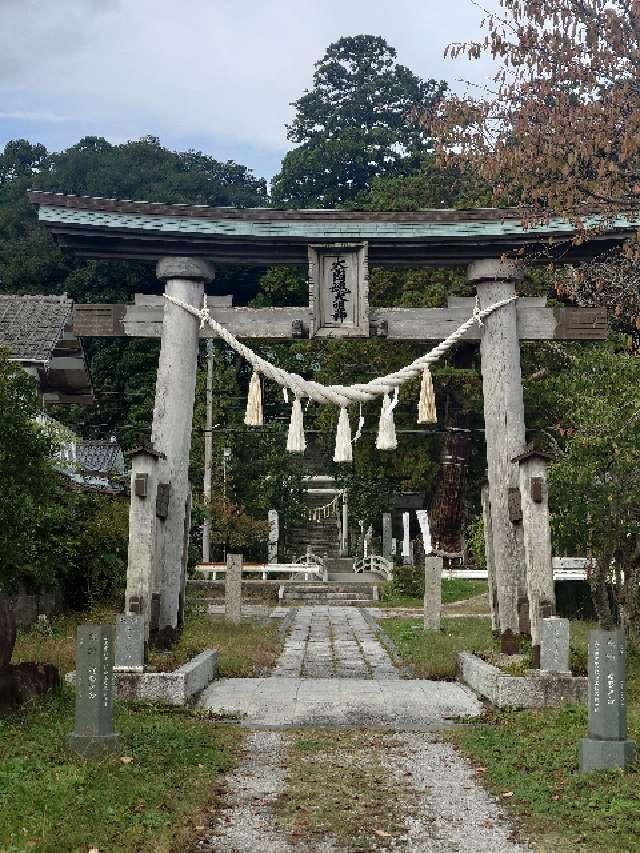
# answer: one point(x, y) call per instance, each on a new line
point(27, 479)
point(360, 120)
point(558, 131)
point(596, 481)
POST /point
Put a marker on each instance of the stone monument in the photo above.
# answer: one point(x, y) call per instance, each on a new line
point(387, 540)
point(130, 642)
point(93, 734)
point(432, 592)
point(554, 645)
point(274, 535)
point(606, 745)
point(233, 589)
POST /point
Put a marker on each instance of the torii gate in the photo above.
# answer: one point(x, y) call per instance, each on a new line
point(187, 241)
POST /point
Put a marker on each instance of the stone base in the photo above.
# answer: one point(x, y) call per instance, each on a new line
point(178, 687)
point(89, 746)
point(605, 754)
point(539, 690)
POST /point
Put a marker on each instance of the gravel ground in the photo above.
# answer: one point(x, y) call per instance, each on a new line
point(456, 813)
point(246, 823)
point(451, 811)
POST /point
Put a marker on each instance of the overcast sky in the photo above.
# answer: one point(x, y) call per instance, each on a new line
point(214, 75)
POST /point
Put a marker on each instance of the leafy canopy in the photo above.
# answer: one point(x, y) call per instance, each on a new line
point(360, 120)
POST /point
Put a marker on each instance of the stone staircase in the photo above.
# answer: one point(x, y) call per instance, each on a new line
point(358, 594)
point(321, 537)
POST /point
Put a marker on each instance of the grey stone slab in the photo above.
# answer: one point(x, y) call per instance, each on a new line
point(542, 690)
point(432, 592)
point(607, 698)
point(130, 641)
point(93, 732)
point(233, 589)
point(554, 645)
point(605, 754)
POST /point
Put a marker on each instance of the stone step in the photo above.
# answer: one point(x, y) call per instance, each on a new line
point(329, 593)
point(354, 578)
point(328, 602)
point(315, 586)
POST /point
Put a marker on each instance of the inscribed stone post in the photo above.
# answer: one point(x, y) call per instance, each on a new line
point(554, 645)
point(504, 429)
point(432, 592)
point(274, 535)
point(606, 745)
point(534, 492)
point(93, 733)
point(130, 642)
point(406, 542)
point(387, 540)
point(173, 416)
point(233, 589)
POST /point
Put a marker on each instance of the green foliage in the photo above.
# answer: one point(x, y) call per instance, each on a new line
point(407, 581)
point(426, 186)
point(281, 286)
point(357, 122)
point(596, 481)
point(233, 528)
point(27, 479)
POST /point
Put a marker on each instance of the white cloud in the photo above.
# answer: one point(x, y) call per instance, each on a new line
point(224, 71)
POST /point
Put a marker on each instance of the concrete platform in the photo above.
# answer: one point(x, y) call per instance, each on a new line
point(275, 703)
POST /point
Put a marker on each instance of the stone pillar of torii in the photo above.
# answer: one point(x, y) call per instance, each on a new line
point(510, 549)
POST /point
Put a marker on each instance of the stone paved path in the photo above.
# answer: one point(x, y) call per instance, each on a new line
point(334, 672)
point(327, 642)
point(277, 702)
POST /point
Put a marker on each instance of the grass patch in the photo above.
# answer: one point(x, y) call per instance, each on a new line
point(532, 757)
point(55, 802)
point(246, 650)
point(55, 642)
point(433, 654)
point(337, 785)
point(453, 590)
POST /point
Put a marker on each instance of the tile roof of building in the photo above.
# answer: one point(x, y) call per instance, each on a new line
point(32, 326)
point(100, 456)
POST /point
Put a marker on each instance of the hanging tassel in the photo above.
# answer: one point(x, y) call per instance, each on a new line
point(295, 439)
point(427, 403)
point(386, 439)
point(343, 438)
point(253, 415)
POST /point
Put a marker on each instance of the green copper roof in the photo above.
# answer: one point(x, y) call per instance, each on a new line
point(314, 230)
point(114, 228)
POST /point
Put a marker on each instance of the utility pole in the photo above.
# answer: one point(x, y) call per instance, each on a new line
point(208, 451)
